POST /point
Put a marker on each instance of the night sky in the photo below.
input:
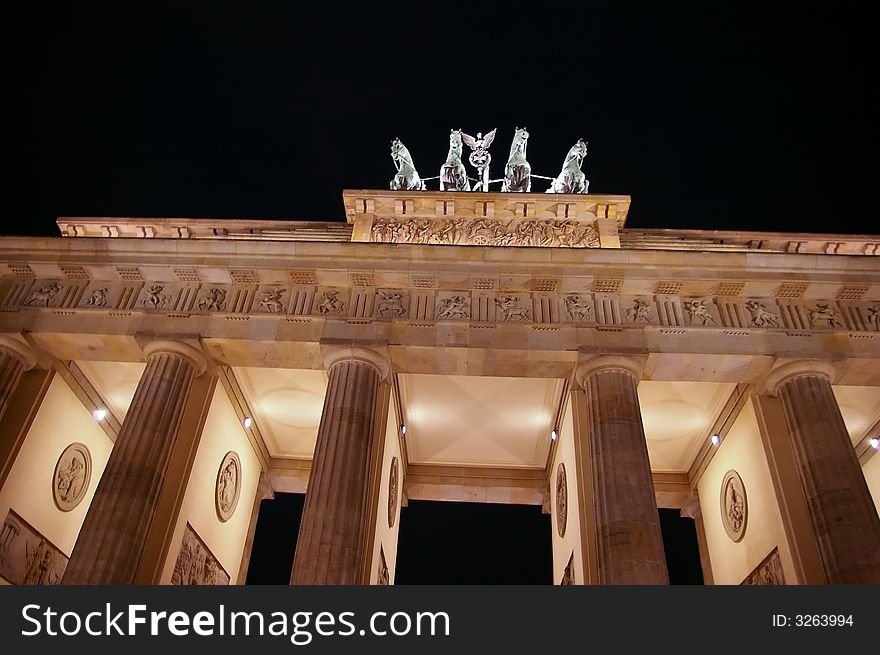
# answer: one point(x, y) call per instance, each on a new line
point(710, 115)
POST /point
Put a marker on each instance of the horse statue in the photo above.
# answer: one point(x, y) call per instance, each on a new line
point(572, 179)
point(453, 176)
point(407, 178)
point(517, 172)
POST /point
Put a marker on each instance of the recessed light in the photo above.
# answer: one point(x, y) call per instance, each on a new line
point(716, 440)
point(100, 414)
point(553, 435)
point(247, 422)
point(403, 430)
point(875, 443)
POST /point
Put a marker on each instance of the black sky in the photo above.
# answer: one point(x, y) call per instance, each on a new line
point(710, 115)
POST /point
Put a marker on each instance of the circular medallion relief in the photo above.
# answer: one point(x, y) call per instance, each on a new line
point(561, 500)
point(392, 493)
point(734, 507)
point(228, 485)
point(72, 474)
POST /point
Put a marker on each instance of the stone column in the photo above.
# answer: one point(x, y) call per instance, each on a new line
point(845, 522)
point(331, 546)
point(114, 533)
point(15, 359)
point(629, 545)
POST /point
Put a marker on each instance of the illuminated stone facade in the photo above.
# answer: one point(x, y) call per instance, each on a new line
point(516, 336)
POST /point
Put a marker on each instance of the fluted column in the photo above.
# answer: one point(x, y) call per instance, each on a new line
point(15, 359)
point(114, 533)
point(629, 545)
point(842, 513)
point(331, 544)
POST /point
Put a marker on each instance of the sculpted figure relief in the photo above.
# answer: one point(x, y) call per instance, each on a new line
point(823, 316)
point(568, 573)
point(389, 304)
point(486, 232)
point(571, 179)
point(517, 172)
point(760, 316)
point(383, 577)
point(214, 301)
point(98, 298)
point(331, 304)
point(40, 565)
point(454, 307)
point(155, 298)
point(453, 176)
point(271, 300)
point(43, 295)
point(407, 178)
point(228, 485)
point(509, 309)
point(72, 474)
point(579, 308)
point(698, 313)
point(874, 316)
point(734, 510)
point(640, 312)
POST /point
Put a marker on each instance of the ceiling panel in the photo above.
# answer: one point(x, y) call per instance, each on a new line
point(479, 421)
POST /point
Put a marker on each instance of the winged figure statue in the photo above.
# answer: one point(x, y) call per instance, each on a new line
point(480, 157)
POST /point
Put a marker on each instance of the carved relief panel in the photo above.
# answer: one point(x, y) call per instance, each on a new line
point(578, 308)
point(228, 486)
point(72, 475)
point(561, 500)
point(271, 299)
point(700, 312)
point(393, 491)
point(453, 306)
point(734, 506)
point(26, 556)
point(768, 572)
point(568, 573)
point(330, 301)
point(196, 564)
point(391, 303)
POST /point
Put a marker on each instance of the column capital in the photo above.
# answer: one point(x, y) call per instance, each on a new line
point(195, 357)
point(588, 366)
point(377, 357)
point(783, 372)
point(265, 491)
point(690, 508)
point(20, 350)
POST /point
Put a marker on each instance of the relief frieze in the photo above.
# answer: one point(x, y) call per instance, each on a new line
point(486, 232)
point(475, 306)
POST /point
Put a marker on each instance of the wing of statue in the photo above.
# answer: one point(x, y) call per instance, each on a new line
point(469, 140)
point(487, 140)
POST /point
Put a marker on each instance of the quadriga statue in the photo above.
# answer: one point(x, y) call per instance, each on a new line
point(453, 176)
point(407, 178)
point(572, 179)
point(517, 172)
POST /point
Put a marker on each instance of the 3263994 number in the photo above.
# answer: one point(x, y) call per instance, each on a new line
point(822, 620)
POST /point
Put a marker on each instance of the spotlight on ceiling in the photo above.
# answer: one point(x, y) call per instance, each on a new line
point(875, 443)
point(247, 422)
point(716, 440)
point(553, 434)
point(403, 429)
point(100, 414)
